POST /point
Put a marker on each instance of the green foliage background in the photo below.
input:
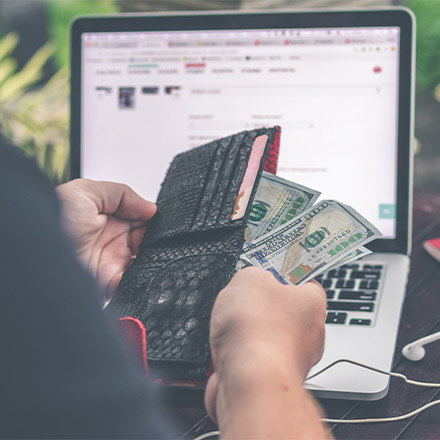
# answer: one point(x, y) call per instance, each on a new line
point(61, 14)
point(427, 14)
point(35, 117)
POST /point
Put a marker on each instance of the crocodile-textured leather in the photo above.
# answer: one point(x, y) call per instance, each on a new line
point(189, 253)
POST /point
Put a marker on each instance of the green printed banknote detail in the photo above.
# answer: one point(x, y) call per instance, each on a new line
point(352, 256)
point(276, 202)
point(324, 236)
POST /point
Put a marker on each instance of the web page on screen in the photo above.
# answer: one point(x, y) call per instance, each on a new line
point(148, 96)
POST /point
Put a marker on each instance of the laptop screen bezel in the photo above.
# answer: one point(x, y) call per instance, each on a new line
point(397, 17)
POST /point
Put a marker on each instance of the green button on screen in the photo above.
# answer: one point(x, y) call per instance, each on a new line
point(387, 211)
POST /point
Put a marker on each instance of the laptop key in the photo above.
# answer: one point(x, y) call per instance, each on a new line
point(369, 284)
point(337, 273)
point(373, 266)
point(350, 306)
point(359, 295)
point(326, 283)
point(345, 284)
point(336, 318)
point(350, 266)
point(369, 275)
point(330, 293)
point(355, 321)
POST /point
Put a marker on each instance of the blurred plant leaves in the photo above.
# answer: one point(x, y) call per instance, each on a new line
point(8, 44)
point(32, 72)
point(427, 14)
point(35, 118)
point(61, 14)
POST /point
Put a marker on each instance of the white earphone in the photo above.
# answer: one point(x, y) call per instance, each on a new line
point(415, 351)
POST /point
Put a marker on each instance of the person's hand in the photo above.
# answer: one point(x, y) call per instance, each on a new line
point(107, 222)
point(260, 325)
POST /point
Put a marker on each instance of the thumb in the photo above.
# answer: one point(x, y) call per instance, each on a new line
point(118, 200)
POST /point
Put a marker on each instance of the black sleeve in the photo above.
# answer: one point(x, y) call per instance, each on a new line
point(64, 370)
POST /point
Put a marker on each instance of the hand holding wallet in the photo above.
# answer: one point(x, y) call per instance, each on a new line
point(191, 248)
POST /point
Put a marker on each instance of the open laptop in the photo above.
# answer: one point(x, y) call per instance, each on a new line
point(340, 85)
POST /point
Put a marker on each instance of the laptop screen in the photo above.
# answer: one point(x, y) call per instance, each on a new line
point(147, 96)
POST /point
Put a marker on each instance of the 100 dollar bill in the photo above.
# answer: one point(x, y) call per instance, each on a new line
point(349, 258)
point(276, 202)
point(311, 243)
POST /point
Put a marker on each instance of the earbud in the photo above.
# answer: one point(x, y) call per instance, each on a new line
point(415, 350)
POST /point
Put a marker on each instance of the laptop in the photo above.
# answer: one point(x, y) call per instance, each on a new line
point(340, 85)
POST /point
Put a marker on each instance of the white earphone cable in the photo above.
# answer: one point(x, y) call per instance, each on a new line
point(207, 435)
point(377, 370)
point(378, 420)
point(385, 419)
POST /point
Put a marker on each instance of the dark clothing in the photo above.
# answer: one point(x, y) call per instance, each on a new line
point(64, 369)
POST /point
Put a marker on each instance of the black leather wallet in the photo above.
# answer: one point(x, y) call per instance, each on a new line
point(190, 251)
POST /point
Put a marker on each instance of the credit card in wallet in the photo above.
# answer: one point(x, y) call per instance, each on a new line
point(248, 182)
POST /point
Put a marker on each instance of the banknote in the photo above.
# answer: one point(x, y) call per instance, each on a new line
point(349, 258)
point(276, 202)
point(242, 264)
point(311, 243)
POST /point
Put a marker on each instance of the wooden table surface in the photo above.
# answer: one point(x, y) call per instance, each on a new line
point(421, 316)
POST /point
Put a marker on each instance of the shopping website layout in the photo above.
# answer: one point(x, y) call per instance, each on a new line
point(148, 96)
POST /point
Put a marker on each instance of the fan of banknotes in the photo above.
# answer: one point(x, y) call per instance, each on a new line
point(298, 240)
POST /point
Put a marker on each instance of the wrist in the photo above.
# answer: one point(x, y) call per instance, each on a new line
point(241, 367)
point(264, 354)
point(259, 396)
point(242, 374)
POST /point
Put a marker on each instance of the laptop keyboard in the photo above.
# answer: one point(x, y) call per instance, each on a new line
point(353, 293)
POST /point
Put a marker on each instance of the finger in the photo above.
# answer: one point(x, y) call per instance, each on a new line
point(316, 287)
point(314, 282)
point(313, 289)
point(119, 200)
point(253, 275)
point(136, 236)
point(211, 397)
point(113, 285)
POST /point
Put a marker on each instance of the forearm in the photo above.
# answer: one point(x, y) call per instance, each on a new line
point(266, 400)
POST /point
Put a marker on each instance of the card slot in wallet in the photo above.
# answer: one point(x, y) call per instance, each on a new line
point(203, 195)
point(220, 165)
point(232, 174)
point(181, 193)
